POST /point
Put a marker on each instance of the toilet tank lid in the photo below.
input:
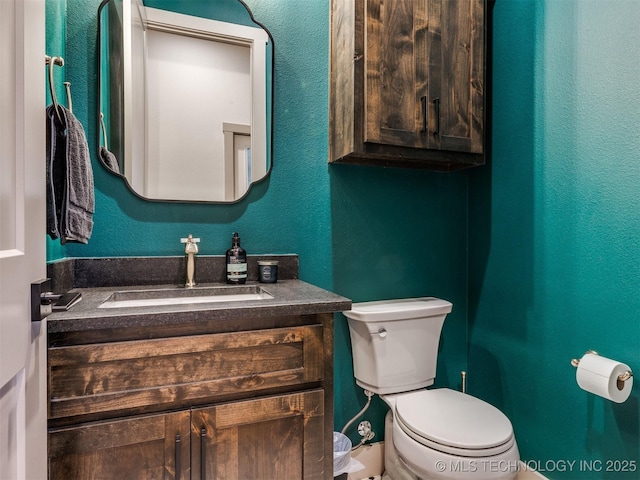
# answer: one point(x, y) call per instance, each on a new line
point(398, 309)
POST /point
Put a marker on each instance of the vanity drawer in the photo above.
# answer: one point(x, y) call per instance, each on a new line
point(172, 372)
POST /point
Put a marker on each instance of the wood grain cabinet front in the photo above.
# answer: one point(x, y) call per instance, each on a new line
point(280, 437)
point(145, 374)
point(407, 83)
point(252, 404)
point(138, 448)
point(274, 437)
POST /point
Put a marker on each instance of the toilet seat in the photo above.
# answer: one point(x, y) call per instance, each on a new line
point(453, 422)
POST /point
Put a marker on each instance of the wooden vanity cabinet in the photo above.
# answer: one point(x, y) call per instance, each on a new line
point(407, 83)
point(194, 403)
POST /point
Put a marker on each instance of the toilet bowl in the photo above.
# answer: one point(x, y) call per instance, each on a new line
point(445, 434)
point(429, 433)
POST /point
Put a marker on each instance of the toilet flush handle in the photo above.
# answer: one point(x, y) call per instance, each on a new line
point(382, 332)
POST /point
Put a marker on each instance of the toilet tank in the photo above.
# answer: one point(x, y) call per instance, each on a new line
point(395, 342)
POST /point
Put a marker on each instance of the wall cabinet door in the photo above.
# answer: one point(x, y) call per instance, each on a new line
point(456, 94)
point(407, 83)
point(154, 447)
point(396, 73)
point(264, 438)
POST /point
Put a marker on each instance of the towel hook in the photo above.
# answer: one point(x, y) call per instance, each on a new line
point(67, 87)
point(104, 130)
point(51, 61)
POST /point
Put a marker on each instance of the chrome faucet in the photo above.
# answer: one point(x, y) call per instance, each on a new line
point(190, 249)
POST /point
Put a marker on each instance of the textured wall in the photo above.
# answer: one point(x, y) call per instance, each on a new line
point(366, 233)
point(555, 231)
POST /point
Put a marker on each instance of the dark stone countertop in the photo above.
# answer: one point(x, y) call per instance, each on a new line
point(290, 297)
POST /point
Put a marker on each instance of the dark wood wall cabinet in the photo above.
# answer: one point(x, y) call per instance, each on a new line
point(248, 399)
point(408, 83)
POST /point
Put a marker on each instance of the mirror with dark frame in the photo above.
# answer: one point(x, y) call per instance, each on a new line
point(185, 98)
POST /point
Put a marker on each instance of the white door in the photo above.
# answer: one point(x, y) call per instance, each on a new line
point(242, 162)
point(22, 239)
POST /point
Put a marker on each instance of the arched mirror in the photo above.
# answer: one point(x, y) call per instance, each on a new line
point(185, 96)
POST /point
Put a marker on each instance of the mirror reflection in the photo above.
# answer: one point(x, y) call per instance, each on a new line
point(185, 95)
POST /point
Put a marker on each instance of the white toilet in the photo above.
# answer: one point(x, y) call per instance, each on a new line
point(429, 434)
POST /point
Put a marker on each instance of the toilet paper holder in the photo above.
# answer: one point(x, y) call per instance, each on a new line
point(623, 377)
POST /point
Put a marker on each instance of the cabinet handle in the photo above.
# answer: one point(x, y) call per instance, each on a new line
point(203, 453)
point(178, 457)
point(436, 102)
point(423, 103)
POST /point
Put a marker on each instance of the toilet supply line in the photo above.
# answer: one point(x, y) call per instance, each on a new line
point(368, 435)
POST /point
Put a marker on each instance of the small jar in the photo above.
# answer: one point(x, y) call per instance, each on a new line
point(268, 271)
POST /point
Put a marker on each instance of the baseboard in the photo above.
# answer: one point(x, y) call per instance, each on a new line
point(372, 457)
point(525, 473)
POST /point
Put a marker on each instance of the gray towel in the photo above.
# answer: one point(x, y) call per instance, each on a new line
point(55, 172)
point(70, 195)
point(109, 159)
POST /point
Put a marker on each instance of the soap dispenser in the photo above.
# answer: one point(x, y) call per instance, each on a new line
point(236, 262)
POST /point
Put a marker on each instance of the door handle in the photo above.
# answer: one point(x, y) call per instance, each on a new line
point(42, 299)
point(203, 453)
point(178, 457)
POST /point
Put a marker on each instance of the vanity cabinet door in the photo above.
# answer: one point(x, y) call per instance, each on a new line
point(131, 377)
point(407, 83)
point(277, 437)
point(154, 447)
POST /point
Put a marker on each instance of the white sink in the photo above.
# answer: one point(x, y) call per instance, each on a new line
point(184, 296)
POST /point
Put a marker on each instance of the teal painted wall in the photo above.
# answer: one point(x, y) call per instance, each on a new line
point(555, 231)
point(365, 233)
point(543, 241)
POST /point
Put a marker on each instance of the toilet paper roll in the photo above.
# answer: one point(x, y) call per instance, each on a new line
point(599, 375)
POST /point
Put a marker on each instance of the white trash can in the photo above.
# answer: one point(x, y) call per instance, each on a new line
point(341, 453)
